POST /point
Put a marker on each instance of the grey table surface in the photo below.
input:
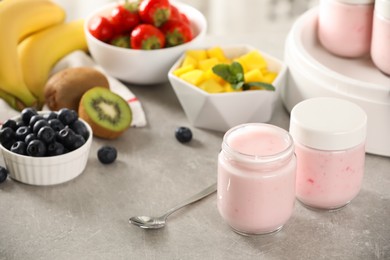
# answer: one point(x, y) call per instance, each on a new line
point(87, 218)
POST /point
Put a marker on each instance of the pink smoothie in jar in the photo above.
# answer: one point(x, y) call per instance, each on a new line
point(380, 45)
point(256, 178)
point(345, 26)
point(329, 136)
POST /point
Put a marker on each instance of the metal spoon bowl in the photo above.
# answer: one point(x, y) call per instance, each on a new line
point(159, 222)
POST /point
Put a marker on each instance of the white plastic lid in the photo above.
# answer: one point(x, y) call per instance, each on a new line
point(357, 2)
point(328, 124)
point(382, 8)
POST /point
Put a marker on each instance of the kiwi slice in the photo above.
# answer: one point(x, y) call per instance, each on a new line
point(108, 114)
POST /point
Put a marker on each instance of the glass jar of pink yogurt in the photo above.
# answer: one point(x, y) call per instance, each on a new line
point(256, 178)
point(345, 26)
point(329, 136)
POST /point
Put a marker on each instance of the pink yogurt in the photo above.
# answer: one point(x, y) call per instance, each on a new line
point(329, 179)
point(345, 26)
point(380, 46)
point(329, 136)
point(256, 178)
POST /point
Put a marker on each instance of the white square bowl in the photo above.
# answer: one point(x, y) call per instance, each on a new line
point(222, 111)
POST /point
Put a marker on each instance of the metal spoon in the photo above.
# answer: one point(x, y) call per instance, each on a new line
point(159, 222)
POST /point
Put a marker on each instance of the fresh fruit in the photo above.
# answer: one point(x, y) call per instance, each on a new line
point(36, 148)
point(107, 113)
point(125, 17)
point(19, 147)
point(27, 113)
point(65, 88)
point(67, 116)
point(154, 12)
point(147, 37)
point(3, 174)
point(39, 52)
point(47, 136)
point(19, 18)
point(107, 154)
point(176, 32)
point(102, 29)
point(183, 134)
point(10, 123)
point(212, 71)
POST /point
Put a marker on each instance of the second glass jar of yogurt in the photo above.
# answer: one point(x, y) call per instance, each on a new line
point(256, 178)
point(329, 136)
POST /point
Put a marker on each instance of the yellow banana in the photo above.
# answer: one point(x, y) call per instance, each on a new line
point(19, 18)
point(39, 52)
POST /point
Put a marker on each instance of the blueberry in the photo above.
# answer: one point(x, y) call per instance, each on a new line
point(107, 154)
point(183, 134)
point(22, 132)
point(56, 124)
point(35, 119)
point(19, 147)
point(51, 115)
point(10, 123)
point(27, 114)
point(55, 148)
point(78, 142)
point(6, 134)
point(30, 137)
point(67, 116)
point(36, 148)
point(46, 134)
point(20, 123)
point(79, 128)
point(3, 174)
point(38, 125)
point(66, 136)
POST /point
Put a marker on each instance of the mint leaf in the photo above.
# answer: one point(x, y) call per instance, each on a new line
point(238, 85)
point(262, 85)
point(231, 73)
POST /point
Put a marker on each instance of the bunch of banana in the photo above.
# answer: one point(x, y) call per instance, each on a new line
point(18, 19)
point(39, 52)
point(34, 37)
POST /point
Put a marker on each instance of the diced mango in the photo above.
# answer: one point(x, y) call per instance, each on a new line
point(183, 69)
point(270, 76)
point(197, 54)
point(189, 60)
point(211, 86)
point(194, 77)
point(209, 74)
point(207, 64)
point(254, 75)
point(218, 53)
point(253, 60)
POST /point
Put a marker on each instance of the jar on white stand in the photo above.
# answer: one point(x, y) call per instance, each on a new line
point(345, 26)
point(329, 136)
point(380, 45)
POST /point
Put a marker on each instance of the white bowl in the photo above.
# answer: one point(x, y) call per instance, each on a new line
point(47, 170)
point(142, 66)
point(313, 72)
point(222, 111)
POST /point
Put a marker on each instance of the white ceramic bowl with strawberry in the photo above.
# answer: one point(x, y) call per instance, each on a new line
point(137, 66)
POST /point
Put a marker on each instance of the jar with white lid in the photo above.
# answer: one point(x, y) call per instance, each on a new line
point(380, 44)
point(345, 26)
point(329, 136)
point(256, 178)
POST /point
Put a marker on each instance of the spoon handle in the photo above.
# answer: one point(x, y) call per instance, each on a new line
point(204, 193)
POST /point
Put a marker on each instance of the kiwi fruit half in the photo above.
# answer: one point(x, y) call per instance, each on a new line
point(108, 114)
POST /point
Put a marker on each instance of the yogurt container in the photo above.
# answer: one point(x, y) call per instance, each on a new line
point(256, 178)
point(329, 136)
point(345, 26)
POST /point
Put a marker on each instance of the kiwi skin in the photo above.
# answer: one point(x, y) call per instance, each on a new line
point(98, 129)
point(65, 88)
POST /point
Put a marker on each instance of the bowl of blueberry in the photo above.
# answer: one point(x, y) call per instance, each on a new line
point(45, 147)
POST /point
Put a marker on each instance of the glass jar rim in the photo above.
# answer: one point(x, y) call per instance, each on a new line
point(284, 154)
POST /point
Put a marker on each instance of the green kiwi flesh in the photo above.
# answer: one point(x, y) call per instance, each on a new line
point(106, 109)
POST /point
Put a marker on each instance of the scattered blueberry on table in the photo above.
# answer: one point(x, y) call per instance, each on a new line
point(183, 134)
